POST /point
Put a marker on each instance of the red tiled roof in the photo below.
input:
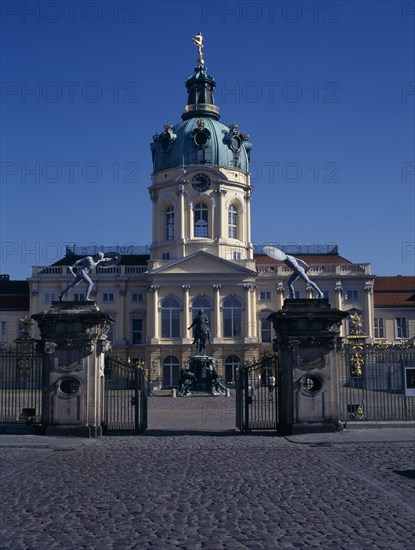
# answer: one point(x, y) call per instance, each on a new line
point(394, 292)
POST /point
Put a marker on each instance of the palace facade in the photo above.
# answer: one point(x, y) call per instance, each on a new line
point(202, 257)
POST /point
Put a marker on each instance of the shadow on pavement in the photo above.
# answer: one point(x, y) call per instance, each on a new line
point(208, 433)
point(204, 433)
point(405, 473)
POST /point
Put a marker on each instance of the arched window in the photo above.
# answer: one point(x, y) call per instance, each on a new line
point(171, 368)
point(170, 223)
point(232, 222)
point(170, 318)
point(201, 220)
point(232, 362)
point(202, 303)
point(232, 317)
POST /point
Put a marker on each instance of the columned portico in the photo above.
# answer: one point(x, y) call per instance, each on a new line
point(121, 333)
point(280, 297)
point(338, 291)
point(181, 238)
point(218, 326)
point(368, 310)
point(338, 294)
point(250, 299)
point(186, 313)
point(155, 319)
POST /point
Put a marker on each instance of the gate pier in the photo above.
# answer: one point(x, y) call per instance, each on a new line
point(73, 342)
point(307, 342)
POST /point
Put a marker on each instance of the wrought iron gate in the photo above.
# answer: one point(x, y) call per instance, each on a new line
point(125, 397)
point(377, 381)
point(21, 384)
point(256, 396)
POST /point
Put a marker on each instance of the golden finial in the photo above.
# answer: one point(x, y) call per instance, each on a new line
point(198, 40)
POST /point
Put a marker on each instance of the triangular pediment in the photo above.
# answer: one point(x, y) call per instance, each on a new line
point(203, 263)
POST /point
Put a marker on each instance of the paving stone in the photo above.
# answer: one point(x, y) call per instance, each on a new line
point(182, 487)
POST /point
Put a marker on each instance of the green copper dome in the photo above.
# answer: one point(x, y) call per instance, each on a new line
point(200, 139)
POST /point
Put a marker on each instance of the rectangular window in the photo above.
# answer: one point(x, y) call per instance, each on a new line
point(165, 326)
point(170, 222)
point(108, 297)
point(170, 323)
point(200, 220)
point(79, 297)
point(379, 327)
point(111, 332)
point(401, 327)
point(351, 295)
point(165, 255)
point(175, 324)
point(3, 331)
point(235, 255)
point(137, 297)
point(265, 295)
point(266, 330)
point(48, 297)
point(232, 219)
point(227, 325)
point(231, 324)
point(201, 230)
point(409, 382)
point(137, 331)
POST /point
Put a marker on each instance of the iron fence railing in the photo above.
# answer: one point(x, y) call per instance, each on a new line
point(377, 382)
point(21, 385)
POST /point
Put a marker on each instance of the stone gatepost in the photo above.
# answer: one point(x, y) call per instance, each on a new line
point(73, 341)
point(307, 342)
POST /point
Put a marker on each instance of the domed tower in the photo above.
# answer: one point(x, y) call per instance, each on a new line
point(201, 186)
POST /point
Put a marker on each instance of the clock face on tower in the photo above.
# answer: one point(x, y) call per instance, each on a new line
point(201, 182)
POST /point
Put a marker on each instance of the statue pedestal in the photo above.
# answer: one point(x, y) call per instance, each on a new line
point(73, 341)
point(307, 338)
point(201, 377)
point(200, 366)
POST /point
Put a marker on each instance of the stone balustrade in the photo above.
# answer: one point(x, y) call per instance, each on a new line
point(318, 269)
point(99, 272)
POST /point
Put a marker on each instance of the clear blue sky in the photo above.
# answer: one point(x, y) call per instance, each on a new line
point(325, 90)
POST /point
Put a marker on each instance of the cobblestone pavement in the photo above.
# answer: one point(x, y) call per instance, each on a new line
point(198, 489)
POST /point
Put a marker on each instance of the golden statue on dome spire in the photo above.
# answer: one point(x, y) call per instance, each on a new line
point(198, 40)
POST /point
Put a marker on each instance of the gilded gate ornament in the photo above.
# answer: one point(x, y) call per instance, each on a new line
point(356, 325)
point(357, 360)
